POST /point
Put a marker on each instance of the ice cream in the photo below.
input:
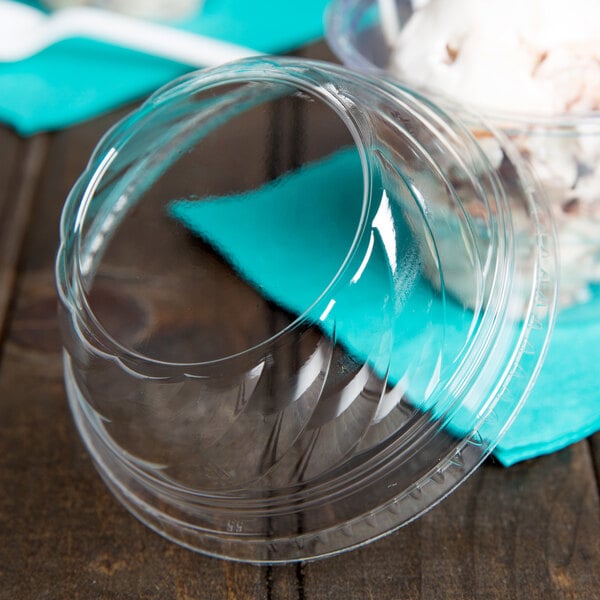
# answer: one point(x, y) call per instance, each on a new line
point(532, 67)
point(530, 56)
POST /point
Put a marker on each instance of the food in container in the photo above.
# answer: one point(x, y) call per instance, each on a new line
point(531, 68)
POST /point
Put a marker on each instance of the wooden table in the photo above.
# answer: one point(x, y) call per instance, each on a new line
point(531, 531)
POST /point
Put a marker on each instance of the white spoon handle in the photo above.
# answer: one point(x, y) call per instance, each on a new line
point(145, 36)
point(136, 34)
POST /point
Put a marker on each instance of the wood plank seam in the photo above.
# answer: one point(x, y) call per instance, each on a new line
point(594, 449)
point(23, 187)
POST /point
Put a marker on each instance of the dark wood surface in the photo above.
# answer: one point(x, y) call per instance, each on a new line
point(531, 531)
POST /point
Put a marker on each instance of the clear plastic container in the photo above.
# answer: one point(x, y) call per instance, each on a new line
point(562, 149)
point(261, 351)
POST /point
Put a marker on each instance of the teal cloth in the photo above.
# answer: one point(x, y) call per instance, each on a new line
point(564, 406)
point(77, 79)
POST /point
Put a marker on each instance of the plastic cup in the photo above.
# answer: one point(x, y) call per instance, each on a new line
point(261, 351)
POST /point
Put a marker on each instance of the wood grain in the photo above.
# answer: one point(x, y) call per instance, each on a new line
point(19, 174)
point(528, 532)
point(62, 533)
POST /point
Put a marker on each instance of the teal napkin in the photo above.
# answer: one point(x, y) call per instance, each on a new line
point(564, 406)
point(77, 79)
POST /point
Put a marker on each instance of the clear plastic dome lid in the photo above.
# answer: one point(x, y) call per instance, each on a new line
point(298, 306)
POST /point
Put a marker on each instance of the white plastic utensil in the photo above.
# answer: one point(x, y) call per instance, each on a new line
point(390, 23)
point(25, 31)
